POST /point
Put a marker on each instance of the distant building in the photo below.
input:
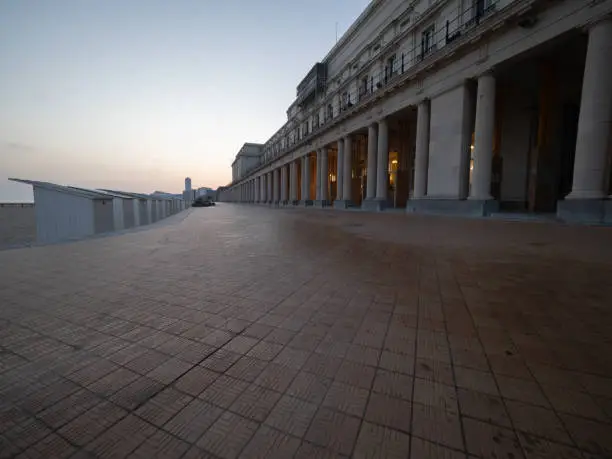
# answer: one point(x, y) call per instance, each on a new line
point(247, 158)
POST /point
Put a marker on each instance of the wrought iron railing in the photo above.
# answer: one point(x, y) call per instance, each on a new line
point(466, 20)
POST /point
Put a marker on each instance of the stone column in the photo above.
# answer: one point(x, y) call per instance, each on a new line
point(346, 169)
point(276, 185)
point(283, 184)
point(483, 138)
point(595, 119)
point(324, 170)
point(257, 189)
point(294, 182)
point(306, 178)
point(372, 158)
point(340, 170)
point(318, 178)
point(421, 156)
point(270, 185)
point(382, 176)
point(262, 188)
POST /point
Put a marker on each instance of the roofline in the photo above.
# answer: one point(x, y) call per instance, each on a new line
point(90, 194)
point(351, 30)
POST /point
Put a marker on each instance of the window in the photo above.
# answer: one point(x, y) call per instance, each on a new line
point(345, 99)
point(330, 111)
point(427, 40)
point(391, 65)
point(363, 89)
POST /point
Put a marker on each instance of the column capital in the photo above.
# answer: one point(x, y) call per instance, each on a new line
point(490, 72)
point(594, 22)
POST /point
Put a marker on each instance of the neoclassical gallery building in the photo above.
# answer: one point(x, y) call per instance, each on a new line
point(450, 106)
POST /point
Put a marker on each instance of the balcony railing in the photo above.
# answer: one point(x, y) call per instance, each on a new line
point(404, 61)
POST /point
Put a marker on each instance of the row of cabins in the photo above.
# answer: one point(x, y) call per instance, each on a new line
point(67, 212)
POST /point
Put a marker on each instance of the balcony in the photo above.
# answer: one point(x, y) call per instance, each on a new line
point(401, 70)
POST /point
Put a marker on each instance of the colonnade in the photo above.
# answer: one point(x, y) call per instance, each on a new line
point(291, 183)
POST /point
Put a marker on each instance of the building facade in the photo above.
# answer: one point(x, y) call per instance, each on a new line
point(452, 106)
point(247, 158)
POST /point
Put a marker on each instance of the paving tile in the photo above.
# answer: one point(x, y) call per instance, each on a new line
point(113, 382)
point(363, 354)
point(163, 406)
point(309, 450)
point(268, 443)
point(90, 424)
point(521, 390)
point(309, 387)
point(400, 363)
point(435, 394)
point(480, 381)
point(424, 449)
point(160, 445)
point(196, 380)
point(589, 435)
point(223, 391)
point(221, 360)
point(228, 435)
point(291, 415)
point(247, 369)
point(388, 411)
point(276, 377)
point(355, 374)
point(541, 448)
point(437, 425)
point(240, 344)
point(378, 441)
point(434, 370)
point(255, 403)
point(52, 446)
point(25, 433)
point(293, 358)
point(333, 430)
point(325, 366)
point(487, 440)
point(346, 398)
point(68, 408)
point(122, 438)
point(392, 384)
point(485, 407)
point(537, 420)
point(265, 350)
point(193, 420)
point(573, 402)
point(259, 331)
point(197, 453)
point(136, 393)
point(170, 370)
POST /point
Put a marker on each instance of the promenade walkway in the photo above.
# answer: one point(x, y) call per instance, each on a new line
point(244, 331)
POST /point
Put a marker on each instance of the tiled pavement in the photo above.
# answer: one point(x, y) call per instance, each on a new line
point(241, 331)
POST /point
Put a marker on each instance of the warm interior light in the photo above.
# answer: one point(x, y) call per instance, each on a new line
point(471, 147)
point(394, 161)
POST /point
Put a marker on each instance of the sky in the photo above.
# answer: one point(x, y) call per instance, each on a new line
point(139, 94)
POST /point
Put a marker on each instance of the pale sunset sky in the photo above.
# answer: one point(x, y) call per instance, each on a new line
point(138, 94)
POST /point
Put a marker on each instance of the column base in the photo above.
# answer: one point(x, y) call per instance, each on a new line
point(321, 203)
point(460, 207)
point(587, 211)
point(374, 205)
point(305, 202)
point(342, 204)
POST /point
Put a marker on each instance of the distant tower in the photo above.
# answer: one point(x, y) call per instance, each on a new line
point(187, 184)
